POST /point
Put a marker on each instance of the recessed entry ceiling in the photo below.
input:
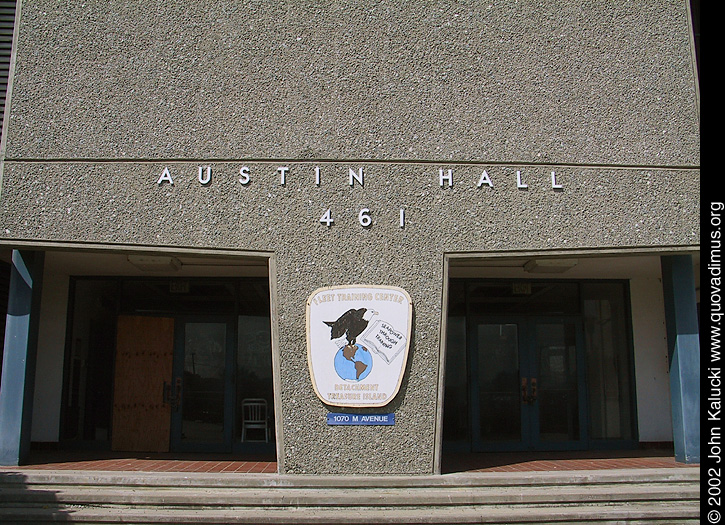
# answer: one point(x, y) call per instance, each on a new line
point(484, 266)
point(154, 265)
point(569, 267)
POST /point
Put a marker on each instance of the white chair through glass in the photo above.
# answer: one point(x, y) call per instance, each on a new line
point(254, 417)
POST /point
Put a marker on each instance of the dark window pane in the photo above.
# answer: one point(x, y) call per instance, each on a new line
point(498, 382)
point(455, 423)
point(522, 297)
point(608, 361)
point(89, 378)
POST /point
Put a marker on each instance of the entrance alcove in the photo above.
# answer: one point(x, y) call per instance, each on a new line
point(153, 352)
point(559, 355)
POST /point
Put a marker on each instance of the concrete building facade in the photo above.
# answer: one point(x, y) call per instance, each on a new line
point(178, 179)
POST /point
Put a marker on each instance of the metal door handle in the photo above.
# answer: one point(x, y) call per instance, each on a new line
point(177, 395)
point(172, 398)
point(534, 391)
point(525, 397)
point(524, 390)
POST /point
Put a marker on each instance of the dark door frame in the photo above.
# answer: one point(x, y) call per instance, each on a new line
point(528, 360)
point(229, 409)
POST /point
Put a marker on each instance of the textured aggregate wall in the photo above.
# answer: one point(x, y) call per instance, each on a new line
point(106, 96)
point(563, 81)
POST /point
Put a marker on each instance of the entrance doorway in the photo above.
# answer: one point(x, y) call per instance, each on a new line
point(144, 356)
point(202, 416)
point(171, 368)
point(547, 364)
point(526, 384)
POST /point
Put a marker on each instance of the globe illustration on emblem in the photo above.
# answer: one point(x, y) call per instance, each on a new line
point(353, 362)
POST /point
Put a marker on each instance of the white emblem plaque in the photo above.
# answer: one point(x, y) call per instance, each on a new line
point(357, 343)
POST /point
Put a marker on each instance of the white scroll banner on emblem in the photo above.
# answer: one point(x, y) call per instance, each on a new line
point(384, 340)
point(357, 343)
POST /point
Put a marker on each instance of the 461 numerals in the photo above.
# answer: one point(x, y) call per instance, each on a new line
point(363, 217)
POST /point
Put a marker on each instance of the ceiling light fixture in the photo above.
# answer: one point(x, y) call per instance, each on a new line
point(150, 263)
point(549, 265)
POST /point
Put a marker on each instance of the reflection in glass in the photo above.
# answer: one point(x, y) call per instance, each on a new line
point(455, 415)
point(254, 365)
point(498, 378)
point(608, 362)
point(89, 374)
point(203, 391)
point(558, 393)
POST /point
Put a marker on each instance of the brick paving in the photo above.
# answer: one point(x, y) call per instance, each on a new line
point(561, 461)
point(489, 462)
point(150, 462)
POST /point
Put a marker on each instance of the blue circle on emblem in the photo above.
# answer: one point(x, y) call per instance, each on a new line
point(353, 363)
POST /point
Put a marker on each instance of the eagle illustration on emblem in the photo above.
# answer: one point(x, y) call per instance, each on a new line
point(350, 324)
point(353, 361)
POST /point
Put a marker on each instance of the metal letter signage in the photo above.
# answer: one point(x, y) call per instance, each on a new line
point(357, 343)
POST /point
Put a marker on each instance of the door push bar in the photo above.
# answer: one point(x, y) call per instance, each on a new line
point(173, 398)
point(525, 396)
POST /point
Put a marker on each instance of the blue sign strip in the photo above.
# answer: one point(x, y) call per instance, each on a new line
point(360, 419)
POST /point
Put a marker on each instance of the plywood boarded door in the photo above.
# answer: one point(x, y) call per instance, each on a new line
point(144, 358)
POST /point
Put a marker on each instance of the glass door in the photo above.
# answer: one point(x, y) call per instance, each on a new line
point(557, 387)
point(497, 414)
point(527, 384)
point(202, 390)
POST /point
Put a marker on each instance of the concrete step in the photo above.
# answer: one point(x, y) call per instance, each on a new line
point(636, 496)
point(619, 514)
point(29, 477)
point(349, 497)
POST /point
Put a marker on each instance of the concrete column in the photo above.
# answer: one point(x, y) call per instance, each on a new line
point(18, 371)
point(683, 340)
